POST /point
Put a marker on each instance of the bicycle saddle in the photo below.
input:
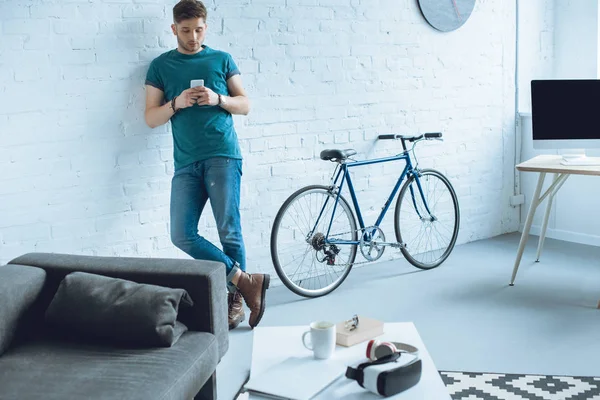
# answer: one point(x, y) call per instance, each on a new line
point(337, 155)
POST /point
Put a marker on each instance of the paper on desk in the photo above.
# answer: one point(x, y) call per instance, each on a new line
point(296, 378)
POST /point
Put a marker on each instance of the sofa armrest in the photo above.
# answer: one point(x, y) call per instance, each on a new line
point(19, 289)
point(203, 280)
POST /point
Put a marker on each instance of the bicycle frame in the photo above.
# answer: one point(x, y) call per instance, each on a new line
point(344, 173)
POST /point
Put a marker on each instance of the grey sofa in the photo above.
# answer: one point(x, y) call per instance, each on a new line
point(36, 365)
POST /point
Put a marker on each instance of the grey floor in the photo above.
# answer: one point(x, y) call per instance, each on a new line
point(467, 315)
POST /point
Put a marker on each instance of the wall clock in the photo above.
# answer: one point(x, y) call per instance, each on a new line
point(446, 15)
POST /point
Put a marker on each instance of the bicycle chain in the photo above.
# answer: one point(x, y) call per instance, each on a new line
point(354, 263)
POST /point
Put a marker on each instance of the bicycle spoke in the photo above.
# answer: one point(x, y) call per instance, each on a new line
point(306, 219)
point(296, 219)
point(303, 258)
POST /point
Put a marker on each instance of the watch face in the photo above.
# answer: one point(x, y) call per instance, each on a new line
point(446, 15)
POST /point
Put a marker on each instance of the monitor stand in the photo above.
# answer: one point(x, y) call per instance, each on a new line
point(578, 158)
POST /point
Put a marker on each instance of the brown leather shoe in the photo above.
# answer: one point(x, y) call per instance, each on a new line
point(253, 288)
point(235, 309)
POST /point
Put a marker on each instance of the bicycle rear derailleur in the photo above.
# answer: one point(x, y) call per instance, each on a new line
point(330, 250)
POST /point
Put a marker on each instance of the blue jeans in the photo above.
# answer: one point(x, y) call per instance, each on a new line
point(217, 179)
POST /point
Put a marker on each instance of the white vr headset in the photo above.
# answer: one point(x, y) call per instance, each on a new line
point(386, 373)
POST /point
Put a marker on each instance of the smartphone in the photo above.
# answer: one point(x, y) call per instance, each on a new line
point(196, 82)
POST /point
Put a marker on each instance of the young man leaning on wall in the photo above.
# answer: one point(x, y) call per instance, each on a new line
point(208, 161)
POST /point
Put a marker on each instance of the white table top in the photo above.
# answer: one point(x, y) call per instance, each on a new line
point(551, 163)
point(272, 345)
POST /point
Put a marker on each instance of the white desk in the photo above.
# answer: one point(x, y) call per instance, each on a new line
point(543, 165)
point(271, 345)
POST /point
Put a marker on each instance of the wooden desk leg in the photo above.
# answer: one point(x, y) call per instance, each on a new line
point(545, 223)
point(535, 201)
point(561, 180)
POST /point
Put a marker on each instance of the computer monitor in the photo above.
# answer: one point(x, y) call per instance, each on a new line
point(566, 115)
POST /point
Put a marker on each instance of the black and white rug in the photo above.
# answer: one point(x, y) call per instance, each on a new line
point(484, 386)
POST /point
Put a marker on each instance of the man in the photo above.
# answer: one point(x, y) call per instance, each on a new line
point(207, 155)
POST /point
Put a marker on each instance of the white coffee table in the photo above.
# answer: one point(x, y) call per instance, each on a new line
point(272, 345)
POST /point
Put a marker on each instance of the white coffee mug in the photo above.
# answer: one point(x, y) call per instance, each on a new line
point(322, 339)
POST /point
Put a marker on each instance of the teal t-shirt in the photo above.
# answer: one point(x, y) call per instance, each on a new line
point(199, 132)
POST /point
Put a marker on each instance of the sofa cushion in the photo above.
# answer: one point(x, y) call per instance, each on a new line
point(120, 311)
point(19, 288)
point(55, 369)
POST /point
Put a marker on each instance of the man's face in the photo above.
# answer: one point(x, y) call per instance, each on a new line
point(190, 34)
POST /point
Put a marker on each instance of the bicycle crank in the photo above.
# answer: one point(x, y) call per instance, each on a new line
point(372, 243)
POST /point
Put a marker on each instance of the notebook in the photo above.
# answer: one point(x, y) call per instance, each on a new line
point(296, 378)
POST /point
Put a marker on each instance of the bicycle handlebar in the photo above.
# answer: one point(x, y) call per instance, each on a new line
point(426, 136)
point(388, 136)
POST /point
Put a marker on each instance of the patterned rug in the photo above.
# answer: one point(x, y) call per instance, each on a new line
point(480, 386)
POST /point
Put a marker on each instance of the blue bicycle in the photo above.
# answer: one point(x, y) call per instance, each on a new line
point(315, 238)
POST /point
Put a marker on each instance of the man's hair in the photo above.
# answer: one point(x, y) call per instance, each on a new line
point(189, 9)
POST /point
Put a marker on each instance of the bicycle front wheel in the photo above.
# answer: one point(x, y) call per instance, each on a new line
point(427, 224)
point(306, 262)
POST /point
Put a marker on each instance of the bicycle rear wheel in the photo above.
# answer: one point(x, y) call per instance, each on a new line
point(428, 237)
point(303, 260)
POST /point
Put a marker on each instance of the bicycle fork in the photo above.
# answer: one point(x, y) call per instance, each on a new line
point(432, 217)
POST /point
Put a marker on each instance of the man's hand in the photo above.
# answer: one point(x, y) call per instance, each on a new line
point(207, 97)
point(187, 98)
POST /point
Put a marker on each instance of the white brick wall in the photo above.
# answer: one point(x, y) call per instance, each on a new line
point(81, 173)
point(536, 45)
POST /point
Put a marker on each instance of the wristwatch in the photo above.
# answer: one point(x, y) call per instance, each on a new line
point(222, 100)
